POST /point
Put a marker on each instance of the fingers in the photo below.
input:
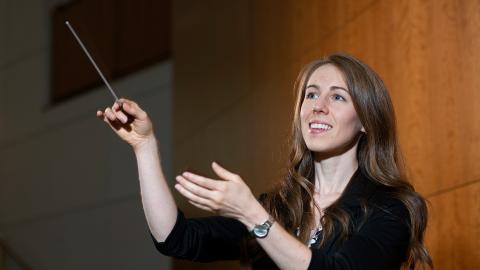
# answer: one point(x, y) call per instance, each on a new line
point(195, 189)
point(131, 108)
point(201, 206)
point(121, 110)
point(224, 173)
point(189, 194)
point(110, 115)
point(119, 113)
point(202, 181)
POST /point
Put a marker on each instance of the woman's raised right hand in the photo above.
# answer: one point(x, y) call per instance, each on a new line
point(129, 121)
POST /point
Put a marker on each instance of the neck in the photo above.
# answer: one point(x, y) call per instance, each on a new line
point(332, 174)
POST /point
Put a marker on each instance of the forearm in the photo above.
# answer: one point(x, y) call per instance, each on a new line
point(284, 249)
point(158, 203)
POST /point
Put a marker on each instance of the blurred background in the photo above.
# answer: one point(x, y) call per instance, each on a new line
point(217, 79)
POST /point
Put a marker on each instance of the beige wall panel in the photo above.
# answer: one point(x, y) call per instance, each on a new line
point(454, 229)
point(210, 50)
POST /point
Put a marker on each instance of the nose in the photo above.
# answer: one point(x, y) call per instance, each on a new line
point(320, 106)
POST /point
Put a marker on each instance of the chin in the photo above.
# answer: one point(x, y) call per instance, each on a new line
point(323, 151)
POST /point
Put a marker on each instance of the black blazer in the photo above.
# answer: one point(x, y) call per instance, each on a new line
point(379, 239)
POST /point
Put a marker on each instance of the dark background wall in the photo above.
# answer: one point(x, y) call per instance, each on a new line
point(69, 196)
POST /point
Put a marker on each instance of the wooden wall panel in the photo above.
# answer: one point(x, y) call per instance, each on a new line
point(453, 84)
point(210, 41)
point(426, 52)
point(122, 36)
point(428, 82)
point(219, 141)
point(392, 50)
point(454, 228)
point(211, 76)
point(270, 43)
point(141, 40)
point(313, 21)
point(71, 70)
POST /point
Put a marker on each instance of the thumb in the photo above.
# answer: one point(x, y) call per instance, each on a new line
point(223, 173)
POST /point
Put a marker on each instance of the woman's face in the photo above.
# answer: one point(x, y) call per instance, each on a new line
point(329, 121)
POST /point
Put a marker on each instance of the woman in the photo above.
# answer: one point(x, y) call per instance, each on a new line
point(345, 203)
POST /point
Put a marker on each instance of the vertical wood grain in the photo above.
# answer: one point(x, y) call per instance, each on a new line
point(426, 52)
point(454, 229)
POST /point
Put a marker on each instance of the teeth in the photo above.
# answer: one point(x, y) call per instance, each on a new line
point(320, 126)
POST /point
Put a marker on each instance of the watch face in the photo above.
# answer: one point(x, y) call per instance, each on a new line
point(260, 231)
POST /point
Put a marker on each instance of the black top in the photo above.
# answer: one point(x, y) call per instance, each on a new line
point(379, 239)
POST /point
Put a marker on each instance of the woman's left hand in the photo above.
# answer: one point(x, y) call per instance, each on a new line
point(229, 196)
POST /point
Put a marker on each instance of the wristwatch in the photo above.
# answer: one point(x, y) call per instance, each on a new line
point(261, 230)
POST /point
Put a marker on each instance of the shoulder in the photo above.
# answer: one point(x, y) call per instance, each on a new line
point(376, 200)
point(387, 204)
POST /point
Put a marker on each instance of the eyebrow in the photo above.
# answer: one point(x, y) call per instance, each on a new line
point(331, 87)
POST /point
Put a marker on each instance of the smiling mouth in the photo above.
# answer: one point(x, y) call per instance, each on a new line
point(319, 128)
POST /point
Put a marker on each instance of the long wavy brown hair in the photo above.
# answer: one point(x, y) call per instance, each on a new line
point(291, 203)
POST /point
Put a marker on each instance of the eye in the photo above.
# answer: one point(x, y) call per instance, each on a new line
point(338, 97)
point(310, 95)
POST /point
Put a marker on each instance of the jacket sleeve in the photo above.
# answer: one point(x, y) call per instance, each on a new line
point(381, 243)
point(203, 239)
